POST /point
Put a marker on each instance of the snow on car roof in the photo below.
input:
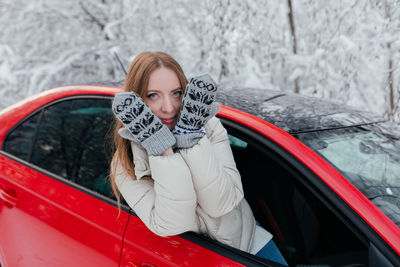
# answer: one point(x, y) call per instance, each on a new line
point(293, 112)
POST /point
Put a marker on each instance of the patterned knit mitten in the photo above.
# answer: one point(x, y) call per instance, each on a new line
point(141, 125)
point(197, 108)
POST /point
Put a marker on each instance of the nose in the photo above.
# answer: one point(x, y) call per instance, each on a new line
point(167, 105)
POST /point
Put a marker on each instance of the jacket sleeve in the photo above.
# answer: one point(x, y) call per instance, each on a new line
point(215, 177)
point(166, 203)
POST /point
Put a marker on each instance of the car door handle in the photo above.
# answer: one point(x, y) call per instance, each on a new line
point(9, 199)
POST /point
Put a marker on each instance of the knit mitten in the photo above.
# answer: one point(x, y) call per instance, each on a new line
point(197, 108)
point(141, 125)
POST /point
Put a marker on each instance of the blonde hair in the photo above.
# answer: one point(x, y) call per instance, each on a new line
point(137, 81)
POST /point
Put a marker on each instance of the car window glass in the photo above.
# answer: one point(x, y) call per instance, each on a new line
point(71, 142)
point(368, 157)
point(19, 140)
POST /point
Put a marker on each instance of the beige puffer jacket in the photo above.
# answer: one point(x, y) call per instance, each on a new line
point(196, 189)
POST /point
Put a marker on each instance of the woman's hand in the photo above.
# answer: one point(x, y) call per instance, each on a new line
point(197, 108)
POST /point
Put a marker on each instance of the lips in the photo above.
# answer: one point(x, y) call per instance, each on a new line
point(168, 121)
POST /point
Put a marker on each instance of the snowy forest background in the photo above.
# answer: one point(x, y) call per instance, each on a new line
point(344, 50)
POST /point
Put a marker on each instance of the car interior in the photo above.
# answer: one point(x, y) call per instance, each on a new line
point(306, 231)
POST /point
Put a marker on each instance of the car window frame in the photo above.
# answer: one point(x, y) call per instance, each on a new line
point(57, 177)
point(316, 186)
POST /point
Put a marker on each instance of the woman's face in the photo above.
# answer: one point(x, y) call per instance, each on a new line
point(164, 96)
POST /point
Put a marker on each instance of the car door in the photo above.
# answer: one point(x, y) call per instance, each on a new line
point(56, 207)
point(143, 248)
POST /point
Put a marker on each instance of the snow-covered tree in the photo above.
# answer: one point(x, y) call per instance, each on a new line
point(343, 50)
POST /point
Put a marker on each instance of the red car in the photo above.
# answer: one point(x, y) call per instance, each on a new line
point(324, 179)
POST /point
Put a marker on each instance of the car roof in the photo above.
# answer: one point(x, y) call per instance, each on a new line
point(295, 113)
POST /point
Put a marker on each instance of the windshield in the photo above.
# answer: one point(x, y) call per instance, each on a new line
point(369, 157)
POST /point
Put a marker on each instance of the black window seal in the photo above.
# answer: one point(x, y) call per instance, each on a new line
point(232, 253)
point(39, 120)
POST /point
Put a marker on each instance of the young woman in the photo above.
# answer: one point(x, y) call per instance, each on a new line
point(173, 163)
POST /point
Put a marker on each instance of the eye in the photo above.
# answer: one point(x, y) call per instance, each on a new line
point(177, 93)
point(152, 96)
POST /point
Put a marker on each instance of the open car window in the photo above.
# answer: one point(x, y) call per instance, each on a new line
point(305, 229)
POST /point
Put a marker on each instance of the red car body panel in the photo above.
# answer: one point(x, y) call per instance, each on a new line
point(140, 245)
point(36, 225)
point(94, 230)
